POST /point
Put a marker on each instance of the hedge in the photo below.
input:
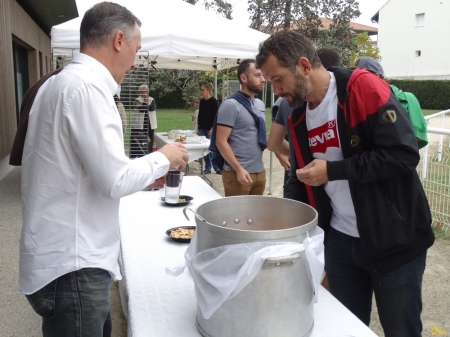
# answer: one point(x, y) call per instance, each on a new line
point(174, 100)
point(432, 94)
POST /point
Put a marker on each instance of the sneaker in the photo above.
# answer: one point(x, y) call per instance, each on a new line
point(198, 168)
point(218, 171)
point(206, 172)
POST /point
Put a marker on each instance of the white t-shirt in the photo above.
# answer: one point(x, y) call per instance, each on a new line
point(324, 144)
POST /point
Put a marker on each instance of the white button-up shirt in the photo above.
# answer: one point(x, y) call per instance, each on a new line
point(74, 172)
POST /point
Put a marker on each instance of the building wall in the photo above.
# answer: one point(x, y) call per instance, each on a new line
point(16, 24)
point(399, 38)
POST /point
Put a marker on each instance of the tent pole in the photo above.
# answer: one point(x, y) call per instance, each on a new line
point(272, 99)
point(215, 83)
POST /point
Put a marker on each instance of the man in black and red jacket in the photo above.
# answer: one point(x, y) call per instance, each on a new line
point(356, 157)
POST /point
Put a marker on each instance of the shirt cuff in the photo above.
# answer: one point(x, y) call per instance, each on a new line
point(159, 163)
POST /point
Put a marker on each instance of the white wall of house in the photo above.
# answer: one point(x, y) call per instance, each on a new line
point(401, 36)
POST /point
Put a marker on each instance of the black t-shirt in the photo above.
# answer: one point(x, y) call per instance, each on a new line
point(207, 113)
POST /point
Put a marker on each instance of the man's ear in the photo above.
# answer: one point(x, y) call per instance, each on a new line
point(118, 40)
point(243, 78)
point(304, 64)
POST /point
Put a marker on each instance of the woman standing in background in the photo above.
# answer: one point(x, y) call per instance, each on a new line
point(206, 115)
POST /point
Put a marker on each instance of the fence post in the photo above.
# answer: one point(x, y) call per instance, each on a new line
point(425, 162)
point(441, 139)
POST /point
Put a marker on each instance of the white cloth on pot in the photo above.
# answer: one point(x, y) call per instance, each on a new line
point(221, 273)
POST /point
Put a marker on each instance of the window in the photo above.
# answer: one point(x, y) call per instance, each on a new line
point(418, 53)
point(21, 80)
point(41, 65)
point(420, 20)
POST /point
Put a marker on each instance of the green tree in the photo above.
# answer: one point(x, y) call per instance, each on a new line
point(364, 47)
point(221, 7)
point(305, 16)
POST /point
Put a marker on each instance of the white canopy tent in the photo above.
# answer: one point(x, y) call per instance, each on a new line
point(177, 35)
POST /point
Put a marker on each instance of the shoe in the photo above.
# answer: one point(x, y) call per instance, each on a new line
point(206, 172)
point(198, 168)
point(218, 172)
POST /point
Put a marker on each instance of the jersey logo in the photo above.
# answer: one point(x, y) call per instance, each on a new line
point(323, 137)
point(390, 116)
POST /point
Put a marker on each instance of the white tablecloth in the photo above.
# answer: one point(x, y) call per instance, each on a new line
point(195, 151)
point(159, 305)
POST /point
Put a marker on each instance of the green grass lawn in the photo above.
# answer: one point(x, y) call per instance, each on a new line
point(427, 112)
point(179, 119)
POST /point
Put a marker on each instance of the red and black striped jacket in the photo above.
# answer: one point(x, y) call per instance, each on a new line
point(380, 158)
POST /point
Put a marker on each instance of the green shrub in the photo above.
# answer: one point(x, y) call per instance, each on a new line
point(432, 94)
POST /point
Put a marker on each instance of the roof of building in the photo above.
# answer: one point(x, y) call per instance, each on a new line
point(49, 13)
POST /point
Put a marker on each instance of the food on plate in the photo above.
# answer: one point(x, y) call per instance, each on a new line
point(182, 233)
point(181, 200)
point(178, 139)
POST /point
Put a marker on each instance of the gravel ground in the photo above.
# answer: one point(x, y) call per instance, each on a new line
point(17, 318)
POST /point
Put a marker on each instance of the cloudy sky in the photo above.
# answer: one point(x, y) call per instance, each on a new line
point(367, 8)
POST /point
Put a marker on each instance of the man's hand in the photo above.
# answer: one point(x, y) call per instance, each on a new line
point(284, 161)
point(157, 184)
point(177, 155)
point(314, 174)
point(243, 177)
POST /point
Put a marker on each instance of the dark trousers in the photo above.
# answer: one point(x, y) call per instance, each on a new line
point(138, 143)
point(75, 304)
point(353, 280)
point(151, 140)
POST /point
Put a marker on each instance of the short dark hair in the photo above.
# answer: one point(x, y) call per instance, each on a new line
point(287, 46)
point(243, 67)
point(102, 21)
point(329, 57)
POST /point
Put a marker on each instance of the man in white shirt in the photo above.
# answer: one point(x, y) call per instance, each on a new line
point(74, 172)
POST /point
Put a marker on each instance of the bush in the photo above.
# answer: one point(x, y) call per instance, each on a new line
point(432, 94)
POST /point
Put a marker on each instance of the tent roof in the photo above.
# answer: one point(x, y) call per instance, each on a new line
point(177, 35)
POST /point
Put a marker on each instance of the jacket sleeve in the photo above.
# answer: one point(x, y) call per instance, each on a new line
point(386, 146)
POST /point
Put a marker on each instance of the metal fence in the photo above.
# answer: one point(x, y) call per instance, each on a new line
point(434, 168)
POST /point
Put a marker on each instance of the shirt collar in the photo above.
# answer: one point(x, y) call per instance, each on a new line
point(98, 68)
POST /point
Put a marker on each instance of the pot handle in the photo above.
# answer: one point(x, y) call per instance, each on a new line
point(196, 214)
point(289, 259)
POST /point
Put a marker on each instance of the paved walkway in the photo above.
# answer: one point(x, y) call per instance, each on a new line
point(16, 316)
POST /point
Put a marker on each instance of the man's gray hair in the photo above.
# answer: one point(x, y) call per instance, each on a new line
point(287, 46)
point(102, 21)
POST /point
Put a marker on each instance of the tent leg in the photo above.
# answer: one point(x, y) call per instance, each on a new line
point(215, 83)
point(272, 101)
point(270, 173)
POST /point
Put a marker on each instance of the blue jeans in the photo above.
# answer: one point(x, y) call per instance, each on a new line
point(75, 304)
point(353, 279)
point(208, 165)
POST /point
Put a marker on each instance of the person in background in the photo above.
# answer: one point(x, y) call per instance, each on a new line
point(194, 116)
point(241, 135)
point(122, 113)
point(356, 158)
point(329, 57)
point(144, 123)
point(408, 101)
point(206, 115)
point(284, 111)
point(74, 172)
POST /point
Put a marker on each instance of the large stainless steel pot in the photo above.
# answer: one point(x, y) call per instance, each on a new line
point(279, 301)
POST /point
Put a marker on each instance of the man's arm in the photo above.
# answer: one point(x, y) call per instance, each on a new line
point(276, 142)
point(223, 133)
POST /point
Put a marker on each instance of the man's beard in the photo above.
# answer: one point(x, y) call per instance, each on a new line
point(254, 88)
point(300, 91)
